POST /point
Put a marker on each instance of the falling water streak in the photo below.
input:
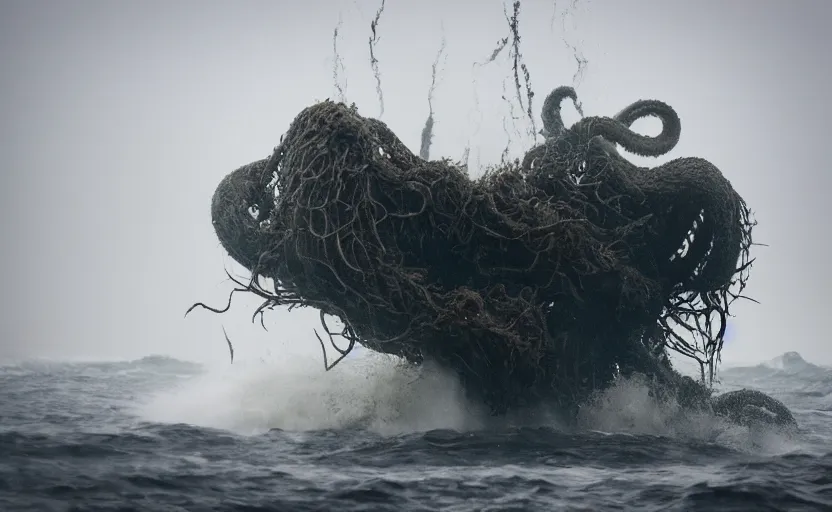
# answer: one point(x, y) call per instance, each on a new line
point(477, 111)
point(427, 131)
point(577, 54)
point(373, 60)
point(338, 63)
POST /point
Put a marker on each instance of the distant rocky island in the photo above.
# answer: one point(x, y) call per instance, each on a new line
point(786, 363)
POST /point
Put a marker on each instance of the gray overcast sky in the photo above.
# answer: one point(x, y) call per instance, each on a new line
point(120, 118)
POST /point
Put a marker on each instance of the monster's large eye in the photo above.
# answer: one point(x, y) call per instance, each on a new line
point(254, 211)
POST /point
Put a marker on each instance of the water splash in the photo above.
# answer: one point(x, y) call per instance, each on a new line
point(373, 392)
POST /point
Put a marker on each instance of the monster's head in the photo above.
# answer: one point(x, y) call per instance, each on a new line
point(696, 230)
point(698, 224)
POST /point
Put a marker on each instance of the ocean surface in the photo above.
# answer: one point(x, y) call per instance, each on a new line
point(162, 434)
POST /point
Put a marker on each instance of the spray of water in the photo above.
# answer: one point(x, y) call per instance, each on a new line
point(372, 391)
point(629, 407)
point(376, 393)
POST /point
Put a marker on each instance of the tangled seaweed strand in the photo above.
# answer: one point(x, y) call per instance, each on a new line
point(542, 280)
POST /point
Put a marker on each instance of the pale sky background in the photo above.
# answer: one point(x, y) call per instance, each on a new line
point(120, 118)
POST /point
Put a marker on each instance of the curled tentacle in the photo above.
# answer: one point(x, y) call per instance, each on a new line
point(629, 115)
point(551, 114)
point(635, 111)
point(618, 132)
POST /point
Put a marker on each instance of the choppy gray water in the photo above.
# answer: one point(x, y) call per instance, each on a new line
point(161, 434)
